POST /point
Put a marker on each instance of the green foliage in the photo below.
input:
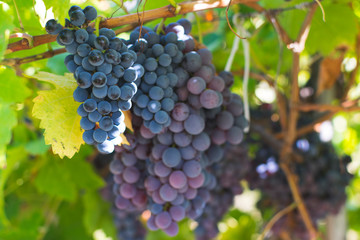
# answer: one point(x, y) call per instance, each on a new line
point(239, 226)
point(70, 225)
point(60, 9)
point(68, 181)
point(6, 27)
point(97, 214)
point(12, 87)
point(340, 28)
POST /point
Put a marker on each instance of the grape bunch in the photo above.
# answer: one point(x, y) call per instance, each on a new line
point(129, 172)
point(105, 72)
point(127, 223)
point(179, 152)
point(228, 172)
point(321, 168)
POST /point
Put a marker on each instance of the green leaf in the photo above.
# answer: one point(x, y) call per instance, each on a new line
point(70, 225)
point(14, 157)
point(56, 64)
point(292, 21)
point(29, 19)
point(97, 214)
point(6, 27)
point(12, 88)
point(27, 229)
point(340, 27)
point(242, 226)
point(7, 122)
point(88, 179)
point(37, 147)
point(55, 180)
point(60, 9)
point(57, 111)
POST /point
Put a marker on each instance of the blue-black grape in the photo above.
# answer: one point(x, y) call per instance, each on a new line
point(53, 27)
point(90, 13)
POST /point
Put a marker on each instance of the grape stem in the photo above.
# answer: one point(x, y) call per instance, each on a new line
point(275, 218)
point(97, 25)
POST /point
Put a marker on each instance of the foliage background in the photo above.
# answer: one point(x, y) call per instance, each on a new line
point(50, 196)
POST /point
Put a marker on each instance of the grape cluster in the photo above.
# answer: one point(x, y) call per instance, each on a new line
point(177, 153)
point(127, 223)
point(228, 172)
point(105, 72)
point(129, 168)
point(321, 168)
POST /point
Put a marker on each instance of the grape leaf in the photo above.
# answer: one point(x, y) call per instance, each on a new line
point(60, 9)
point(55, 180)
point(57, 111)
point(36, 147)
point(24, 10)
point(97, 214)
point(68, 216)
point(14, 156)
point(27, 228)
point(6, 123)
point(5, 27)
point(340, 27)
point(12, 87)
point(88, 179)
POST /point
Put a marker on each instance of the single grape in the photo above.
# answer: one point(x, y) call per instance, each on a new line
point(96, 58)
point(90, 13)
point(81, 36)
point(88, 137)
point(66, 36)
point(86, 124)
point(171, 157)
point(114, 92)
point(167, 193)
point(101, 43)
point(94, 116)
point(106, 123)
point(90, 105)
point(163, 220)
point(80, 95)
point(84, 80)
point(192, 168)
point(104, 107)
point(77, 17)
point(53, 27)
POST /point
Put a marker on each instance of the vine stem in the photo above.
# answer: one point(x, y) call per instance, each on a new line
point(163, 12)
point(297, 47)
point(325, 107)
point(275, 218)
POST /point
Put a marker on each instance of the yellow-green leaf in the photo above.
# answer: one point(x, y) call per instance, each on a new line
point(57, 111)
